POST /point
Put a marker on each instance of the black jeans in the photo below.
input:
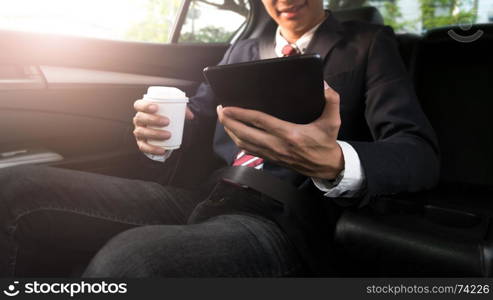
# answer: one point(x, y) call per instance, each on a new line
point(51, 219)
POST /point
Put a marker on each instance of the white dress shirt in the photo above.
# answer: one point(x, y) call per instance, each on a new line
point(351, 180)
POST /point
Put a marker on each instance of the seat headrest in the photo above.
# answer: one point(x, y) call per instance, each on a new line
point(367, 14)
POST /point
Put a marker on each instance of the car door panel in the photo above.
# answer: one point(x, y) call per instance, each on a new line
point(184, 61)
point(74, 96)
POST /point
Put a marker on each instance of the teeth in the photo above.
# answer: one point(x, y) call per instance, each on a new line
point(293, 9)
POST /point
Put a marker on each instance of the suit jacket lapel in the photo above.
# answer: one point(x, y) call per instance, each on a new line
point(326, 37)
point(266, 42)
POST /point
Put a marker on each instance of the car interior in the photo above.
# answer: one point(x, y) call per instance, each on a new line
point(67, 102)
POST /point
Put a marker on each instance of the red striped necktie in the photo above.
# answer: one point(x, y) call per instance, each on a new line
point(247, 160)
point(290, 50)
point(243, 159)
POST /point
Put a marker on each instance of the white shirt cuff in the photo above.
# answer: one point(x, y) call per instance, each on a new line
point(353, 177)
point(159, 158)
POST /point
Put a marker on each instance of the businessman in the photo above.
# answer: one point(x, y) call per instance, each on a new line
point(371, 139)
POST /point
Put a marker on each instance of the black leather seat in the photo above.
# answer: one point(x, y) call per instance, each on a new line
point(455, 85)
point(447, 231)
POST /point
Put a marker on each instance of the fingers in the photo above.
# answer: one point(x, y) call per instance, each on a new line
point(254, 141)
point(245, 136)
point(148, 148)
point(259, 120)
point(145, 106)
point(220, 115)
point(245, 133)
point(250, 148)
point(143, 133)
point(145, 119)
point(146, 116)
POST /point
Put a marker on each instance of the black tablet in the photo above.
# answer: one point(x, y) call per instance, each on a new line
point(289, 88)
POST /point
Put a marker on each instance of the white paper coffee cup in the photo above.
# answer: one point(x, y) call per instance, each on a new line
point(172, 103)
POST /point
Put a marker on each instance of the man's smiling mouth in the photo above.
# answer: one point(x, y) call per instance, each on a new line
point(291, 12)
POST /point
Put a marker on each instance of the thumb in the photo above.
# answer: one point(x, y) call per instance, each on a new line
point(331, 114)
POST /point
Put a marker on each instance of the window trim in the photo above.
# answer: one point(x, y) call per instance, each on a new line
point(253, 16)
point(176, 30)
point(183, 11)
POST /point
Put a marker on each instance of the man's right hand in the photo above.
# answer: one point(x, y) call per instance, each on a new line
point(146, 117)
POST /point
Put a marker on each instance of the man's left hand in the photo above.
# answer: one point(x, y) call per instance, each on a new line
point(310, 149)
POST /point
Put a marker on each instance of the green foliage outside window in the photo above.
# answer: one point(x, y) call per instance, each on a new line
point(439, 13)
point(156, 26)
point(161, 15)
point(433, 13)
point(393, 17)
point(209, 34)
point(389, 9)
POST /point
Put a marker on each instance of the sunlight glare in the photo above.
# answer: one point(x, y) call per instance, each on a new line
point(95, 18)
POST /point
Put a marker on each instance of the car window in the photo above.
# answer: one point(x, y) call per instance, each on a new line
point(131, 20)
point(418, 16)
point(214, 21)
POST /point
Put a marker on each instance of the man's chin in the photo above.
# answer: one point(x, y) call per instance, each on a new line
point(296, 26)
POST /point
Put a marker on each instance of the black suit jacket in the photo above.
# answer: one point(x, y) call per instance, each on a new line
point(381, 117)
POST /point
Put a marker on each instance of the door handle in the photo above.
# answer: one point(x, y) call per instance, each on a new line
point(30, 78)
point(28, 156)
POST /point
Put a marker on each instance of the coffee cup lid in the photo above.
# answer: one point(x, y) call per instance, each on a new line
point(165, 92)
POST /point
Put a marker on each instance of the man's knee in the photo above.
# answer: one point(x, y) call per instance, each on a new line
point(25, 188)
point(225, 246)
point(17, 182)
point(123, 256)
point(8, 174)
